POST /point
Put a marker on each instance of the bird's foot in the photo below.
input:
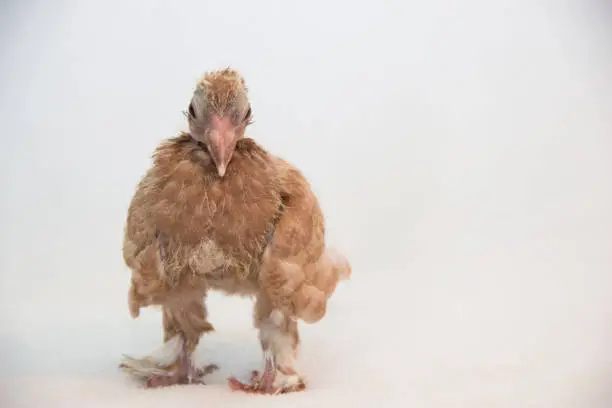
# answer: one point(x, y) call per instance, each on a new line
point(154, 373)
point(180, 376)
point(272, 381)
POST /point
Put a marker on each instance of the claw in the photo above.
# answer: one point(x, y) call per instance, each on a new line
point(256, 388)
point(153, 375)
point(264, 383)
point(191, 376)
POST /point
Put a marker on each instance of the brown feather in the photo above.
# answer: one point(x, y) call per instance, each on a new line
point(212, 231)
point(256, 230)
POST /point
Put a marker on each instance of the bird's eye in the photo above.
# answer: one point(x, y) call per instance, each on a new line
point(192, 111)
point(247, 116)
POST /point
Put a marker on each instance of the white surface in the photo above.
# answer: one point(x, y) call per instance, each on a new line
point(462, 153)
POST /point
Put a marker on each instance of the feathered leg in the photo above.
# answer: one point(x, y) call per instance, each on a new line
point(279, 338)
point(184, 323)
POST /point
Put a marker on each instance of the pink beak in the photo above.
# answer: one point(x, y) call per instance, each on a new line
point(221, 142)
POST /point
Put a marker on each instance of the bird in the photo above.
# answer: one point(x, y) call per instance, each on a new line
point(216, 211)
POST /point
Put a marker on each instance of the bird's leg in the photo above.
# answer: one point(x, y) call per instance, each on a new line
point(184, 323)
point(279, 338)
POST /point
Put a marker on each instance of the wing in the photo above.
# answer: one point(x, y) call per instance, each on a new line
point(139, 232)
point(166, 225)
point(141, 250)
point(298, 272)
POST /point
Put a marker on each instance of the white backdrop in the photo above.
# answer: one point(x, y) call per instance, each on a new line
point(462, 152)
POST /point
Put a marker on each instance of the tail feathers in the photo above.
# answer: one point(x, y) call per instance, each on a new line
point(331, 268)
point(340, 264)
point(311, 299)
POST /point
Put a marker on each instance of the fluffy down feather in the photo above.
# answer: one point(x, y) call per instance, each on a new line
point(258, 227)
point(217, 212)
point(256, 231)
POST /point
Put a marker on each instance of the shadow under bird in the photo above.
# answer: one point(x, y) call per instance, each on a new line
point(216, 211)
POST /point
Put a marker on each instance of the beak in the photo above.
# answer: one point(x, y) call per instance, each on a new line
point(221, 142)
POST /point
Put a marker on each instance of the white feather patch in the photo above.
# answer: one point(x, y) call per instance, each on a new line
point(339, 261)
point(156, 363)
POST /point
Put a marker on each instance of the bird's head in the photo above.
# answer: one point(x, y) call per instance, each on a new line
point(218, 114)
